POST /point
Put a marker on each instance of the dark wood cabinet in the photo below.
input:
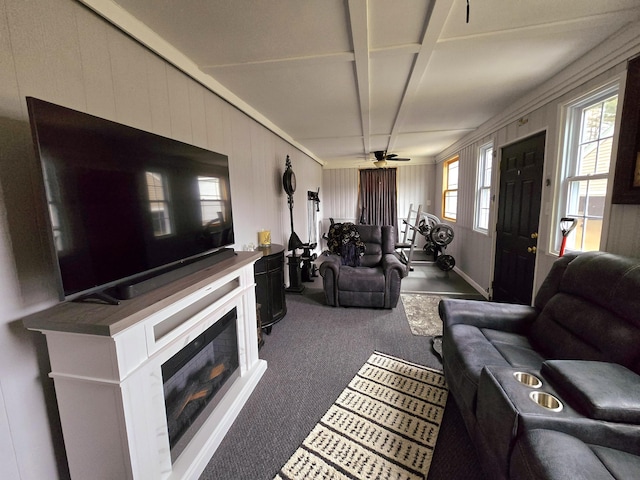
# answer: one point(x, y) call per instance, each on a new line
point(270, 293)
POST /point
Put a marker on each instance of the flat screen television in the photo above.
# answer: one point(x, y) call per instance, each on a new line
point(127, 206)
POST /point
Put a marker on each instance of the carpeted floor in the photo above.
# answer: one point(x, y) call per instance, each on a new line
point(384, 425)
point(312, 354)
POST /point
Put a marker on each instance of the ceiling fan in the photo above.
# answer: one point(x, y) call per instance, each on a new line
point(382, 157)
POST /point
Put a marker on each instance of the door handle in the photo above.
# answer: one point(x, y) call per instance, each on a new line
point(534, 235)
point(532, 249)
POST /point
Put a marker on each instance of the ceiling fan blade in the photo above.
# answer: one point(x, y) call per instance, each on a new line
point(382, 155)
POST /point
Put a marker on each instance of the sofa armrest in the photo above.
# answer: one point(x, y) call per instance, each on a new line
point(330, 269)
point(391, 262)
point(331, 262)
point(600, 390)
point(500, 316)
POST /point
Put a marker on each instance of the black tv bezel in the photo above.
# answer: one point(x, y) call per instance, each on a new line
point(132, 285)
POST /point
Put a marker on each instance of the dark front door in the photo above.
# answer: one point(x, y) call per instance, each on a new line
point(518, 216)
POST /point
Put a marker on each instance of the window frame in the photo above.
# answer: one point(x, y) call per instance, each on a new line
point(568, 177)
point(485, 158)
point(212, 198)
point(165, 219)
point(446, 187)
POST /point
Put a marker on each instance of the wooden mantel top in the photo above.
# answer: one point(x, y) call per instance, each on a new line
point(97, 318)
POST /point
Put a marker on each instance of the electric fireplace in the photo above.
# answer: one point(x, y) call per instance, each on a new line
point(149, 388)
point(195, 377)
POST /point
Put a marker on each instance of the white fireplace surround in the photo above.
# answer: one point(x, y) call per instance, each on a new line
point(106, 365)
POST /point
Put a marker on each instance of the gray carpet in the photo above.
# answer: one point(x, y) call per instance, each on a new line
point(384, 425)
point(312, 354)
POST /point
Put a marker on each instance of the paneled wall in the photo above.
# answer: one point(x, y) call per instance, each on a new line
point(60, 51)
point(474, 251)
point(623, 233)
point(415, 187)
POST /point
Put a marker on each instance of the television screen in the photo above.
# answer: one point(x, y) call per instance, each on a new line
point(125, 203)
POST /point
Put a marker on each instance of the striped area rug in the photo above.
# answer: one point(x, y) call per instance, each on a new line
point(384, 425)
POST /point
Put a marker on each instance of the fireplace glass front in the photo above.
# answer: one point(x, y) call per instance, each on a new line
point(196, 378)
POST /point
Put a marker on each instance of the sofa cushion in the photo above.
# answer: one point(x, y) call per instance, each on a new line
point(469, 349)
point(361, 279)
point(514, 348)
point(551, 284)
point(607, 280)
point(574, 327)
point(602, 391)
point(622, 465)
point(361, 299)
point(547, 454)
point(371, 236)
point(594, 315)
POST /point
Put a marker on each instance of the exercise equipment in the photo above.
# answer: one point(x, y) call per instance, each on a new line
point(408, 243)
point(309, 269)
point(437, 236)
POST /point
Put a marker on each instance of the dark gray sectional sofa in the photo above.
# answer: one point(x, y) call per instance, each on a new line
point(581, 343)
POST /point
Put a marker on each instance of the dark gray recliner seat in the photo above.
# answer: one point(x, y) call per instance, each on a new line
point(376, 282)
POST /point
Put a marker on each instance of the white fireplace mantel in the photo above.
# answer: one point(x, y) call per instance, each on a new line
point(106, 365)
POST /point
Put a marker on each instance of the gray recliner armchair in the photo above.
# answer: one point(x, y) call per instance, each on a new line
point(373, 280)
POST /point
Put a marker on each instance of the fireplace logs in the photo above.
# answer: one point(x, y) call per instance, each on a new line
point(199, 388)
point(185, 405)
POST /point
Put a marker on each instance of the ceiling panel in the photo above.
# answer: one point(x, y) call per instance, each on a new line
point(475, 79)
point(426, 145)
point(389, 75)
point(420, 76)
point(488, 16)
point(308, 101)
point(220, 32)
point(346, 147)
point(397, 23)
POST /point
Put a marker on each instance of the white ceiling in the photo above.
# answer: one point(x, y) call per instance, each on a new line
point(346, 77)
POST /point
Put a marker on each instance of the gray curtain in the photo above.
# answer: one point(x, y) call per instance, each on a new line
point(378, 198)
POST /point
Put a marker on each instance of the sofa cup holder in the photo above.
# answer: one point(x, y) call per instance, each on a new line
point(546, 400)
point(528, 379)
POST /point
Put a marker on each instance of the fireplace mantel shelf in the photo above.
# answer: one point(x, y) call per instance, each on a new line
point(98, 318)
point(107, 367)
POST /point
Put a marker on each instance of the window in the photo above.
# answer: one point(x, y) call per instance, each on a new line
point(212, 203)
point(588, 143)
point(55, 211)
point(158, 204)
point(483, 189)
point(450, 187)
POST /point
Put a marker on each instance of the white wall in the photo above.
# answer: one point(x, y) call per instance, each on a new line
point(539, 111)
point(61, 52)
point(415, 185)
